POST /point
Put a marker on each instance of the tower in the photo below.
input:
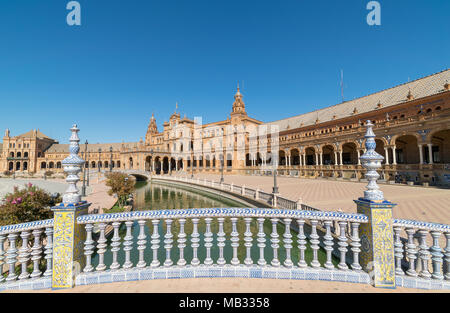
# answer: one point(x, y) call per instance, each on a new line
point(238, 113)
point(151, 130)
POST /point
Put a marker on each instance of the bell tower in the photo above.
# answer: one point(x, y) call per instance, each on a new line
point(238, 112)
point(151, 130)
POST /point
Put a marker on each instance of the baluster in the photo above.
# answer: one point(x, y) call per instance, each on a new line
point(221, 241)
point(208, 241)
point(168, 242)
point(437, 256)
point(88, 248)
point(128, 245)
point(274, 240)
point(101, 248)
point(328, 242)
point(115, 246)
point(355, 246)
point(411, 252)
point(181, 242)
point(301, 241)
point(314, 244)
point(141, 244)
point(261, 241)
point(398, 251)
point(155, 243)
point(2, 256)
point(11, 256)
point(424, 254)
point(36, 252)
point(342, 245)
point(248, 239)
point(234, 240)
point(287, 242)
point(195, 242)
point(49, 251)
point(447, 257)
point(24, 255)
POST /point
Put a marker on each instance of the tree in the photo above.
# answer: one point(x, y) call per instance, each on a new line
point(26, 205)
point(121, 184)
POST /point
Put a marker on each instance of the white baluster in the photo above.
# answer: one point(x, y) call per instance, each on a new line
point(301, 241)
point(168, 242)
point(49, 252)
point(287, 242)
point(234, 241)
point(88, 248)
point(261, 241)
point(437, 256)
point(328, 242)
point(11, 256)
point(424, 254)
point(411, 252)
point(355, 246)
point(447, 257)
point(181, 242)
point(141, 244)
point(221, 241)
point(24, 255)
point(248, 239)
point(398, 251)
point(155, 243)
point(115, 246)
point(2, 256)
point(314, 244)
point(128, 245)
point(208, 241)
point(342, 245)
point(195, 242)
point(274, 242)
point(36, 252)
point(101, 248)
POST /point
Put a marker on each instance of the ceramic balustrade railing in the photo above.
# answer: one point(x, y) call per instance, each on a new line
point(213, 244)
point(287, 204)
point(23, 246)
point(421, 260)
point(267, 197)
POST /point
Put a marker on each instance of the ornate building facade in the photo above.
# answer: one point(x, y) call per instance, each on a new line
point(412, 125)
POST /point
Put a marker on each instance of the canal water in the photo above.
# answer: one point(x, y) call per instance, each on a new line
point(159, 196)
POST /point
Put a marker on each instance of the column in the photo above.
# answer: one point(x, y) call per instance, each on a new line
point(340, 158)
point(394, 156)
point(421, 153)
point(430, 152)
point(304, 158)
point(321, 155)
point(335, 158)
point(317, 159)
point(386, 155)
point(359, 155)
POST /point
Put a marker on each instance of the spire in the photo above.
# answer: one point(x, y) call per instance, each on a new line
point(238, 105)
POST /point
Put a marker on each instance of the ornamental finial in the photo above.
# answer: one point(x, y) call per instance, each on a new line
point(371, 161)
point(72, 166)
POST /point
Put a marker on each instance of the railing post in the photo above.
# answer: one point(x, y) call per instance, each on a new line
point(68, 237)
point(377, 238)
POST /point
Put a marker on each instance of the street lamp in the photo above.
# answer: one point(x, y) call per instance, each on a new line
point(98, 164)
point(110, 158)
point(221, 169)
point(275, 187)
point(153, 162)
point(83, 189)
point(87, 160)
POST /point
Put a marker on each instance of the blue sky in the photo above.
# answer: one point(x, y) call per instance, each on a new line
point(131, 58)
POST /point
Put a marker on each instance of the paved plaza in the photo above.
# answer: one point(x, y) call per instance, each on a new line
point(417, 203)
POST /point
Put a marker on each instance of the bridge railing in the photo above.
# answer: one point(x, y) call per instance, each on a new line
point(415, 257)
point(253, 236)
point(26, 251)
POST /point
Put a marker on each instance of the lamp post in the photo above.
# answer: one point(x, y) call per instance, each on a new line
point(192, 167)
point(221, 169)
point(152, 162)
point(110, 158)
point(83, 189)
point(87, 160)
point(275, 187)
point(98, 164)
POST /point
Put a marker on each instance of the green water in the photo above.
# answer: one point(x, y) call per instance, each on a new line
point(157, 196)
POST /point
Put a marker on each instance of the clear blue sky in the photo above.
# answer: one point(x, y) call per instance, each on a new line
point(130, 58)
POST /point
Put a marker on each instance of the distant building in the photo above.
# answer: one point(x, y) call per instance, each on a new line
point(412, 124)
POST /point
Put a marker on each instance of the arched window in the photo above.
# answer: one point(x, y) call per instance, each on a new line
point(19, 154)
point(11, 154)
point(25, 154)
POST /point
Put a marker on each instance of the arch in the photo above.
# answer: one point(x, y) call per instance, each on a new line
point(180, 164)
point(173, 164)
point(118, 164)
point(25, 165)
point(58, 164)
point(295, 156)
point(328, 155)
point(17, 166)
point(229, 160)
point(99, 164)
point(19, 154)
point(165, 165)
point(157, 168)
point(281, 157)
point(11, 166)
point(407, 150)
point(349, 153)
point(51, 164)
point(248, 162)
point(310, 156)
point(441, 146)
point(11, 154)
point(130, 163)
point(106, 164)
point(395, 137)
point(148, 163)
point(207, 161)
point(93, 164)
point(43, 165)
point(25, 154)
